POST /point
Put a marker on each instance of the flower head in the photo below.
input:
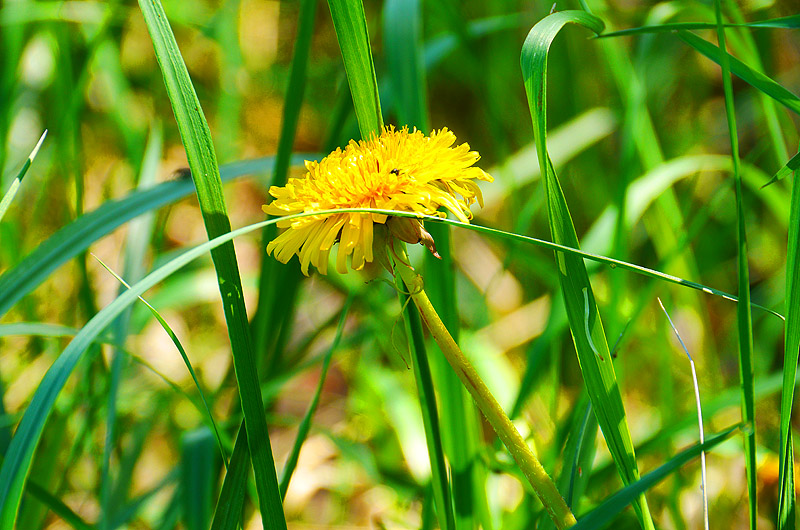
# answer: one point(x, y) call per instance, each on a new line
point(398, 170)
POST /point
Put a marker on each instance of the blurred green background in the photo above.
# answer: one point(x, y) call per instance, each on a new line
point(86, 71)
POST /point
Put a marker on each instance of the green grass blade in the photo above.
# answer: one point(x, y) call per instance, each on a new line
point(199, 148)
point(787, 499)
point(350, 24)
point(277, 289)
point(197, 477)
point(404, 60)
point(55, 505)
point(790, 22)
point(166, 327)
point(430, 416)
point(755, 79)
point(305, 424)
point(792, 165)
point(584, 318)
point(744, 318)
point(605, 512)
point(228, 513)
point(17, 182)
point(76, 237)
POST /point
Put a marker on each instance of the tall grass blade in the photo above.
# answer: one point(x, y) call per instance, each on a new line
point(197, 477)
point(792, 165)
point(744, 317)
point(228, 511)
point(350, 24)
point(197, 141)
point(17, 182)
point(277, 288)
point(790, 22)
point(584, 319)
point(787, 511)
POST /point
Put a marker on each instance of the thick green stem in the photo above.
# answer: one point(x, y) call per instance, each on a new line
point(537, 476)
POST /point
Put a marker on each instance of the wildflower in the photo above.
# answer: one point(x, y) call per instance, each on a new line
point(398, 170)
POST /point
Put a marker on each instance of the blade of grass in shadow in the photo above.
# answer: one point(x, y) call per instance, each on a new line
point(608, 509)
point(228, 511)
point(744, 317)
point(457, 415)
point(197, 477)
point(584, 318)
point(350, 24)
point(57, 506)
point(755, 79)
point(199, 148)
point(305, 424)
point(15, 184)
point(75, 237)
point(277, 287)
point(787, 495)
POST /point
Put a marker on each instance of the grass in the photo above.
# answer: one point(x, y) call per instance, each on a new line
point(660, 166)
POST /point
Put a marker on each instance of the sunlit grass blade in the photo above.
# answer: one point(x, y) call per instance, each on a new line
point(608, 509)
point(792, 165)
point(76, 237)
point(350, 24)
point(197, 477)
point(15, 184)
point(755, 79)
point(277, 289)
point(305, 424)
point(787, 500)
point(174, 338)
point(744, 318)
point(199, 148)
point(228, 511)
point(587, 329)
point(790, 22)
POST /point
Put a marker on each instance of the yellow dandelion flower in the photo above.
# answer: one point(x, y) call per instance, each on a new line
point(398, 170)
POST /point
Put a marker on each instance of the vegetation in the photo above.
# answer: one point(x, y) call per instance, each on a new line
point(160, 370)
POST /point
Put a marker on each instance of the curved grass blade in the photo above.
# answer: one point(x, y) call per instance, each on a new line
point(583, 315)
point(744, 318)
point(199, 148)
point(608, 509)
point(174, 338)
point(756, 79)
point(790, 22)
point(76, 237)
point(57, 506)
point(17, 182)
point(305, 424)
point(350, 24)
point(787, 496)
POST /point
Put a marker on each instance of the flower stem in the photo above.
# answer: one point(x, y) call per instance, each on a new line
point(537, 476)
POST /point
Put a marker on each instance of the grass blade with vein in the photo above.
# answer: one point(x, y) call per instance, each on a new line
point(15, 184)
point(744, 317)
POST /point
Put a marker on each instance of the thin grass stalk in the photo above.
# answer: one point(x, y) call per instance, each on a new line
point(743, 315)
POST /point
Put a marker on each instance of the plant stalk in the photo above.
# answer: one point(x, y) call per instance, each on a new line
point(541, 482)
